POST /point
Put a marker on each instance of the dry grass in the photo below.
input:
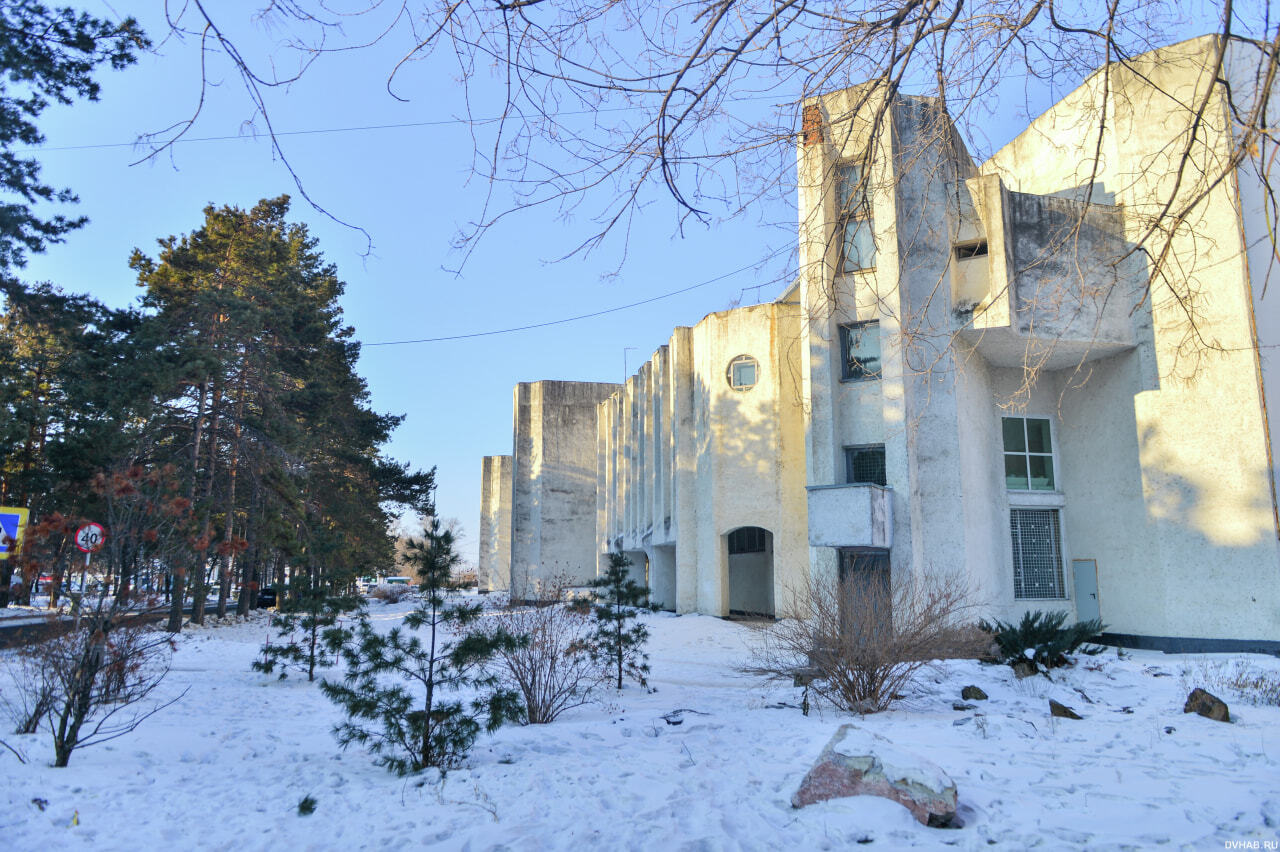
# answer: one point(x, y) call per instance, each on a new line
point(861, 643)
point(1238, 679)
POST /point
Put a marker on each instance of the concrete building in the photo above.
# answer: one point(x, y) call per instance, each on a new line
point(1013, 371)
point(553, 484)
point(493, 573)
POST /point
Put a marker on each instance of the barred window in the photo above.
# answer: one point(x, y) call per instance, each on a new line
point(1037, 554)
point(865, 465)
point(746, 540)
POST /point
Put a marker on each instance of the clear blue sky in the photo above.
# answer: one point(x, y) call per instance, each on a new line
point(411, 190)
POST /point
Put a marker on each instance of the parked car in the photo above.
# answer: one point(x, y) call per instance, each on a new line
point(267, 598)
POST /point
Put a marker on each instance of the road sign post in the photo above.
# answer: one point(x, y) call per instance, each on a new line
point(90, 538)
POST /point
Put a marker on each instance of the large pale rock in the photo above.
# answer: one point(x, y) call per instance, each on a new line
point(1208, 705)
point(858, 763)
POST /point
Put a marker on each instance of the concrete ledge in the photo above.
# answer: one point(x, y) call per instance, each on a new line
point(850, 515)
point(1187, 645)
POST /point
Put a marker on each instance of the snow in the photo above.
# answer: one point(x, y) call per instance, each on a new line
point(226, 767)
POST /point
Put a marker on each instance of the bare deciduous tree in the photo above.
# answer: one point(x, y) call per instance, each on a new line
point(595, 103)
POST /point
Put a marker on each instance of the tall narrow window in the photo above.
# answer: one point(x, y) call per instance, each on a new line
point(860, 350)
point(1037, 553)
point(1028, 454)
point(865, 465)
point(853, 212)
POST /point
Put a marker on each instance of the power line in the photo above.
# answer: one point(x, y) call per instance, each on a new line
point(564, 320)
point(315, 131)
point(252, 137)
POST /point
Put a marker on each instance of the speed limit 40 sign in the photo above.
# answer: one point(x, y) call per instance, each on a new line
point(90, 538)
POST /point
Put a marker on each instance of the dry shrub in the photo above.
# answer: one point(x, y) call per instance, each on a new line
point(27, 700)
point(94, 682)
point(860, 641)
point(464, 580)
point(556, 670)
point(391, 593)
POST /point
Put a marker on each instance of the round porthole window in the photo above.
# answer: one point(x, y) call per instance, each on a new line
point(744, 372)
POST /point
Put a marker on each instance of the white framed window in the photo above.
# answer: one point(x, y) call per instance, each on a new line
point(860, 351)
point(855, 225)
point(743, 373)
point(1037, 554)
point(1028, 454)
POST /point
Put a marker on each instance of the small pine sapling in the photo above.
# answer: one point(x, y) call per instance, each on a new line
point(395, 687)
point(618, 600)
point(309, 629)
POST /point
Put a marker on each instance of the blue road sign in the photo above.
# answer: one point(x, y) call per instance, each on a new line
point(13, 522)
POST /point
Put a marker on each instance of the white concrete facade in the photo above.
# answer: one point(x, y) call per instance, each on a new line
point(494, 569)
point(553, 484)
point(685, 459)
point(1000, 386)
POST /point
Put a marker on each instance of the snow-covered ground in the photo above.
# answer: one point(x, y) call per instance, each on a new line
point(226, 767)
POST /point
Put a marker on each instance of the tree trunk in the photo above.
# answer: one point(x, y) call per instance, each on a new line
point(228, 536)
point(249, 569)
point(177, 595)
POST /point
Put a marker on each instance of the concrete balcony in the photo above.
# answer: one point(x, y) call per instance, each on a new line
point(1057, 283)
point(850, 516)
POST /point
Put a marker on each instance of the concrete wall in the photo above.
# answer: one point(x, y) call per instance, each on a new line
point(683, 458)
point(1258, 215)
point(915, 165)
point(495, 524)
point(1157, 380)
point(553, 482)
point(1203, 562)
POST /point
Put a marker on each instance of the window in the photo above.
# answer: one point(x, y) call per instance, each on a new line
point(743, 372)
point(1028, 454)
point(855, 225)
point(864, 465)
point(971, 251)
point(860, 350)
point(1037, 553)
point(746, 540)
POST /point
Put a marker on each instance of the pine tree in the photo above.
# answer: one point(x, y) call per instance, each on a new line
point(618, 600)
point(264, 411)
point(309, 628)
point(48, 55)
point(413, 723)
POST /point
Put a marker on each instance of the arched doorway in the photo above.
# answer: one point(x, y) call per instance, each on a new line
point(638, 570)
point(750, 552)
